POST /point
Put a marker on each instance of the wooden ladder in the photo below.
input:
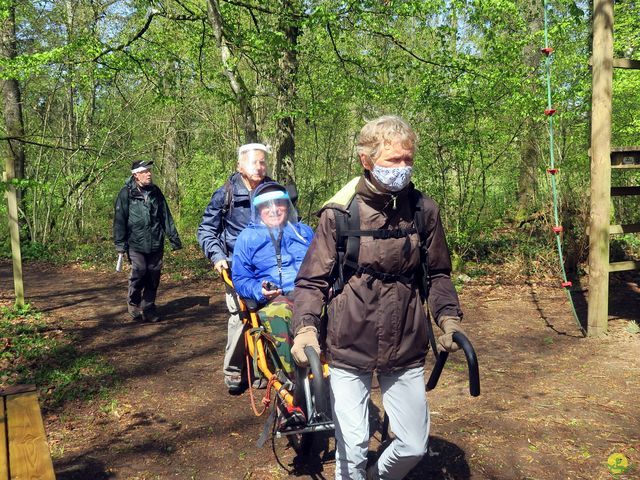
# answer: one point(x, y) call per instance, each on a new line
point(24, 452)
point(625, 158)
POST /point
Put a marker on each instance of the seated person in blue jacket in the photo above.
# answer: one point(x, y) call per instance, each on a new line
point(266, 259)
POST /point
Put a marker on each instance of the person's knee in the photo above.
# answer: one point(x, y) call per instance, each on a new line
point(235, 322)
point(154, 269)
point(232, 306)
point(415, 449)
point(138, 271)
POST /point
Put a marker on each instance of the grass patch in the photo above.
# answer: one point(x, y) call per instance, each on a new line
point(32, 351)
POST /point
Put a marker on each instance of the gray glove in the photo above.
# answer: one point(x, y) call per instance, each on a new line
point(306, 336)
point(449, 326)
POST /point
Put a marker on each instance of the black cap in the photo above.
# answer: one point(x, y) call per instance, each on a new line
point(269, 186)
point(140, 165)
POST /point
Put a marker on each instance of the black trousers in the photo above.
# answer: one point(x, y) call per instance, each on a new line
point(145, 278)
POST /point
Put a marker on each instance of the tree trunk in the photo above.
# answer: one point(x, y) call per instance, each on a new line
point(286, 88)
point(15, 159)
point(168, 126)
point(12, 101)
point(170, 159)
point(230, 70)
point(72, 122)
point(528, 170)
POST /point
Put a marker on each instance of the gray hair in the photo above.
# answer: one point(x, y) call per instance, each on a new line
point(386, 128)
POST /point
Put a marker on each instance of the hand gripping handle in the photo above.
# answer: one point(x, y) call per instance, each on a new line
point(472, 365)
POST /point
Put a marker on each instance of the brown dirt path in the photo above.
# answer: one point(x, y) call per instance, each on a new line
point(553, 404)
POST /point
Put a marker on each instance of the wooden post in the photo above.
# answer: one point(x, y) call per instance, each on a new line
point(14, 233)
point(602, 71)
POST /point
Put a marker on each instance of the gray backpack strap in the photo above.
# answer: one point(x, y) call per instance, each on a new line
point(347, 246)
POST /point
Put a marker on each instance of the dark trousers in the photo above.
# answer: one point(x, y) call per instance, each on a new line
point(145, 278)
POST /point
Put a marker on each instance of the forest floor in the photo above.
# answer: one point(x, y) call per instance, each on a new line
point(554, 405)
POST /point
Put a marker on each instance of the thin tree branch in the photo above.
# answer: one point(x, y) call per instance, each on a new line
point(397, 43)
point(200, 58)
point(251, 7)
point(343, 60)
point(150, 14)
point(191, 12)
point(55, 147)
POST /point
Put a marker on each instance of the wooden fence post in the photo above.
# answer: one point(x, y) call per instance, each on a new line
point(602, 71)
point(14, 232)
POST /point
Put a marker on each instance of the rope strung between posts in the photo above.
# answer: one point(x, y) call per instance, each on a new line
point(552, 170)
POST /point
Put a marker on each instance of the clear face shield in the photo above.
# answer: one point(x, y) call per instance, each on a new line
point(273, 209)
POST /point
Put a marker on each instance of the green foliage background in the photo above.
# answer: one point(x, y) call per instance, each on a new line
point(100, 90)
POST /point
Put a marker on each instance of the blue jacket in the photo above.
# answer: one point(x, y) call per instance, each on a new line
point(254, 258)
point(217, 235)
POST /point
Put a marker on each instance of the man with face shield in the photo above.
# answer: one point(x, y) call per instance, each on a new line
point(266, 259)
point(376, 323)
point(227, 214)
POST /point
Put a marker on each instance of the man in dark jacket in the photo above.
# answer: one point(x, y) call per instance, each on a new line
point(227, 214)
point(142, 218)
point(376, 321)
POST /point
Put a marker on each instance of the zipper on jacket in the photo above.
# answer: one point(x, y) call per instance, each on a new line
point(392, 201)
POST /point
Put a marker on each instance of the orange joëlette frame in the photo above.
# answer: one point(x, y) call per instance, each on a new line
point(261, 359)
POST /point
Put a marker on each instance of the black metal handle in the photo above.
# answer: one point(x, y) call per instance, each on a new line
point(317, 384)
point(472, 365)
point(314, 360)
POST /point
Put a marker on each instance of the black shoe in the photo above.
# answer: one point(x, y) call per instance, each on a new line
point(260, 383)
point(151, 315)
point(135, 312)
point(234, 384)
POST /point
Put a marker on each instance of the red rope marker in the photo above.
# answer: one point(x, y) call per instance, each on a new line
point(567, 284)
point(552, 171)
point(547, 51)
point(558, 229)
point(550, 111)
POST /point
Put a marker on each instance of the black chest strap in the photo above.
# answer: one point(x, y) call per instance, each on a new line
point(277, 245)
point(348, 234)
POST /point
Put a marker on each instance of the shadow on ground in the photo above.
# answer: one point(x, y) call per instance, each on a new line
point(624, 297)
point(82, 469)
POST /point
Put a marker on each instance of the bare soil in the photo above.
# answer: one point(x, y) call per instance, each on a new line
point(554, 405)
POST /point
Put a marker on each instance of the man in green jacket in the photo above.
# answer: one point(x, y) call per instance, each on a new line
point(142, 218)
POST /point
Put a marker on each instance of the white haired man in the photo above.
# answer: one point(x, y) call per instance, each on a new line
point(227, 214)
